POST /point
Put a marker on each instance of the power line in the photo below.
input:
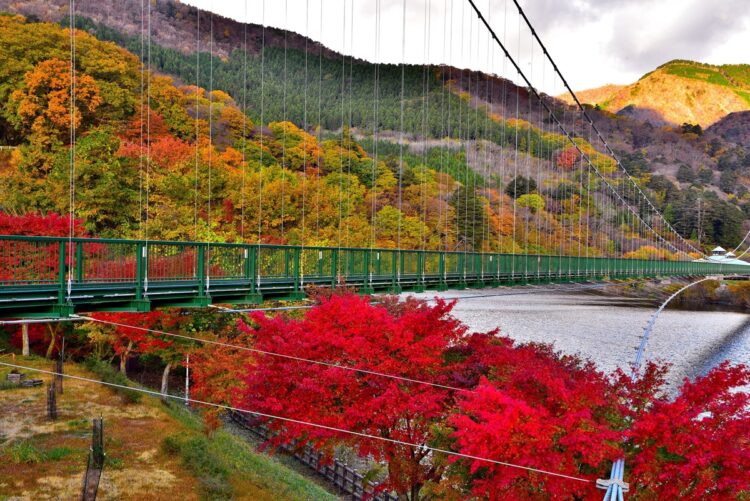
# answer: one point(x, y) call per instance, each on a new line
point(279, 355)
point(306, 423)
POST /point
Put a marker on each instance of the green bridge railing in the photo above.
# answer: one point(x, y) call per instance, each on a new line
point(57, 276)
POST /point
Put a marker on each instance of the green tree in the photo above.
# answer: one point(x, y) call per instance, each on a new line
point(471, 217)
point(531, 201)
point(685, 174)
point(105, 184)
point(520, 185)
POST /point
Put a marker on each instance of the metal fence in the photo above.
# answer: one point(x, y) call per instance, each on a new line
point(55, 276)
point(342, 477)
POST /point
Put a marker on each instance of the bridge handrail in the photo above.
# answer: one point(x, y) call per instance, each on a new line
point(27, 238)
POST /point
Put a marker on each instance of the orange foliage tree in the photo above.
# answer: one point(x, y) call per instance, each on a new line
point(43, 104)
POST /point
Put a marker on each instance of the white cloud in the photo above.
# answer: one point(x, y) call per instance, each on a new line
point(593, 41)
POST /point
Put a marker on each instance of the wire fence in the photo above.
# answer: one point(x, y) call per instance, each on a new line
point(342, 477)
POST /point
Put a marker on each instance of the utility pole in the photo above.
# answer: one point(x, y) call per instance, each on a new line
point(187, 380)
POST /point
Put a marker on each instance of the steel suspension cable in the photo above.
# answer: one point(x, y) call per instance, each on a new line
point(611, 152)
point(244, 126)
point(350, 138)
point(505, 142)
point(283, 129)
point(303, 240)
point(401, 134)
point(443, 211)
point(210, 150)
point(375, 130)
point(527, 163)
point(583, 154)
point(145, 252)
point(198, 93)
point(343, 124)
point(320, 126)
point(262, 125)
point(305, 423)
point(72, 152)
point(141, 124)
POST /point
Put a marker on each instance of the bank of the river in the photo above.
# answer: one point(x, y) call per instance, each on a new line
point(606, 328)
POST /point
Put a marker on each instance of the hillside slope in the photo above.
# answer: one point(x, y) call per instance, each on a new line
point(477, 112)
point(154, 451)
point(678, 92)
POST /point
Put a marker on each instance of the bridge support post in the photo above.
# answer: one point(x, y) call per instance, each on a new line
point(443, 284)
point(249, 270)
point(462, 270)
point(420, 286)
point(63, 308)
point(495, 260)
point(298, 293)
point(478, 278)
point(367, 287)
point(203, 299)
point(395, 273)
point(141, 303)
point(334, 268)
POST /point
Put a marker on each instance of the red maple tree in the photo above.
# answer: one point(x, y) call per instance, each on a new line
point(697, 445)
point(348, 330)
point(520, 404)
point(129, 337)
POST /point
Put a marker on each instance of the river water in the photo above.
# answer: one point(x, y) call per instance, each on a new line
point(605, 329)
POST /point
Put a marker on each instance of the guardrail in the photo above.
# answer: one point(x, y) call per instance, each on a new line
point(339, 475)
point(55, 276)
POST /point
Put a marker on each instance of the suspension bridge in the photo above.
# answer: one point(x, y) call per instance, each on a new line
point(56, 277)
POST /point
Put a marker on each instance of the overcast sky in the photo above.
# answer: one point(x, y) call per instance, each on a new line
point(594, 42)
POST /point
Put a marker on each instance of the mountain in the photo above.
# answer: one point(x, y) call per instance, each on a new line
point(734, 127)
point(458, 123)
point(678, 92)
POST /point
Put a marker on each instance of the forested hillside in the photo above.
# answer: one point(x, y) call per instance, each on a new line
point(148, 172)
point(329, 101)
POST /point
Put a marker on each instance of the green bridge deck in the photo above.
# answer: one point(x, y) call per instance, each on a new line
point(56, 277)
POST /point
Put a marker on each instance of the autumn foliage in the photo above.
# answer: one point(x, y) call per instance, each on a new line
point(567, 158)
point(490, 398)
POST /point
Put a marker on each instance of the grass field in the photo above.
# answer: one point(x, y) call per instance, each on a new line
point(154, 451)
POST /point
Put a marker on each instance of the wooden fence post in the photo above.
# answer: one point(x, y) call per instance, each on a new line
point(25, 338)
point(52, 401)
point(95, 463)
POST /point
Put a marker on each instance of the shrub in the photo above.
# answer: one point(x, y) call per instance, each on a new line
point(685, 174)
point(109, 374)
point(203, 463)
point(519, 186)
point(25, 452)
point(58, 453)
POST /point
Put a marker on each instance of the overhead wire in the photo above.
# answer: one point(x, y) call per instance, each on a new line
point(323, 363)
point(305, 423)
